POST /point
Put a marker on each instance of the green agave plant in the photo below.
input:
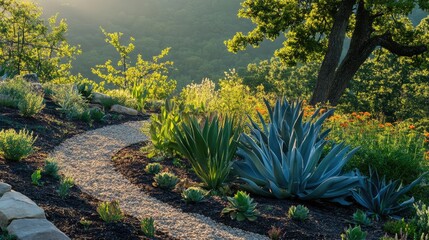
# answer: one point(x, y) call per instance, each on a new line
point(382, 198)
point(241, 207)
point(283, 158)
point(209, 148)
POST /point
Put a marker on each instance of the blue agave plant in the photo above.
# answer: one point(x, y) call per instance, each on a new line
point(283, 158)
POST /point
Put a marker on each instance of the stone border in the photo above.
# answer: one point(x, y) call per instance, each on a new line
point(87, 158)
point(23, 218)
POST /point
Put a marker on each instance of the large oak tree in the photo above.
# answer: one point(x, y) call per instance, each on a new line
point(316, 29)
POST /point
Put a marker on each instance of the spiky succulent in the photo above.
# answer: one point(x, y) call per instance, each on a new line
point(299, 212)
point(355, 233)
point(165, 180)
point(361, 218)
point(283, 158)
point(241, 207)
point(193, 194)
point(153, 168)
point(382, 198)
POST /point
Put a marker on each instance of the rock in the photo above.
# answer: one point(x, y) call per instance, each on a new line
point(123, 110)
point(37, 87)
point(14, 205)
point(32, 77)
point(95, 105)
point(32, 229)
point(4, 188)
point(99, 97)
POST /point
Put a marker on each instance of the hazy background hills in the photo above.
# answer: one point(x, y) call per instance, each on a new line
point(194, 29)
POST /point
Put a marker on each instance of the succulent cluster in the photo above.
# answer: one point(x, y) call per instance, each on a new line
point(241, 207)
point(299, 212)
point(165, 180)
point(153, 168)
point(193, 195)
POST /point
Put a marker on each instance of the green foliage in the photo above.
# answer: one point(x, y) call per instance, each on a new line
point(274, 233)
point(4, 235)
point(51, 168)
point(110, 211)
point(35, 177)
point(165, 180)
point(193, 195)
point(153, 168)
point(382, 198)
point(209, 147)
point(355, 233)
point(65, 185)
point(85, 89)
point(16, 145)
point(284, 158)
point(96, 114)
point(241, 207)
point(28, 44)
point(299, 212)
point(145, 80)
point(30, 104)
point(422, 217)
point(400, 227)
point(121, 97)
point(360, 218)
point(394, 150)
point(85, 223)
point(162, 127)
point(70, 102)
point(147, 225)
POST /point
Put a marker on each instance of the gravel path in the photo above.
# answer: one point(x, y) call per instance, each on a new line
point(87, 158)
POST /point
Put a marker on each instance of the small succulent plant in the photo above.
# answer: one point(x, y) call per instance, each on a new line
point(65, 185)
point(241, 207)
point(355, 233)
point(274, 233)
point(153, 168)
point(51, 168)
point(35, 177)
point(193, 195)
point(165, 180)
point(361, 218)
point(299, 213)
point(147, 225)
point(110, 211)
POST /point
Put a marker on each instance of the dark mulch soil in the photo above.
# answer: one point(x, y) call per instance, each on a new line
point(327, 220)
point(52, 128)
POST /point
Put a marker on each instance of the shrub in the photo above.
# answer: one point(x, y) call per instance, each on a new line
point(51, 168)
point(153, 168)
point(165, 180)
point(147, 225)
point(355, 233)
point(15, 146)
point(422, 217)
point(85, 89)
point(241, 207)
point(193, 195)
point(382, 198)
point(15, 90)
point(122, 97)
point(110, 211)
point(299, 213)
point(400, 227)
point(96, 114)
point(70, 102)
point(360, 218)
point(65, 185)
point(285, 158)
point(209, 148)
point(393, 150)
point(35, 177)
point(30, 104)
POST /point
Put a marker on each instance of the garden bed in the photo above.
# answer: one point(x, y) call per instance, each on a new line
point(67, 214)
point(327, 220)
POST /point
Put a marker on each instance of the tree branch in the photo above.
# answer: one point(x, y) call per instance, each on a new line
point(388, 43)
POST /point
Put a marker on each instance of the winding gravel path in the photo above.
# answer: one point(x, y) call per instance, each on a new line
point(87, 158)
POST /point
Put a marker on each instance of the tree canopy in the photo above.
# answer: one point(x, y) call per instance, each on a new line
point(317, 29)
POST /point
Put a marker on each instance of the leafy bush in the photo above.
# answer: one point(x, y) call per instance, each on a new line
point(65, 185)
point(355, 233)
point(193, 195)
point(299, 212)
point(70, 102)
point(360, 218)
point(209, 148)
point(395, 150)
point(153, 168)
point(401, 227)
point(96, 114)
point(15, 90)
point(165, 180)
point(110, 211)
point(35, 177)
point(382, 198)
point(121, 97)
point(422, 217)
point(15, 146)
point(284, 158)
point(85, 89)
point(51, 168)
point(241, 207)
point(31, 104)
point(147, 225)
